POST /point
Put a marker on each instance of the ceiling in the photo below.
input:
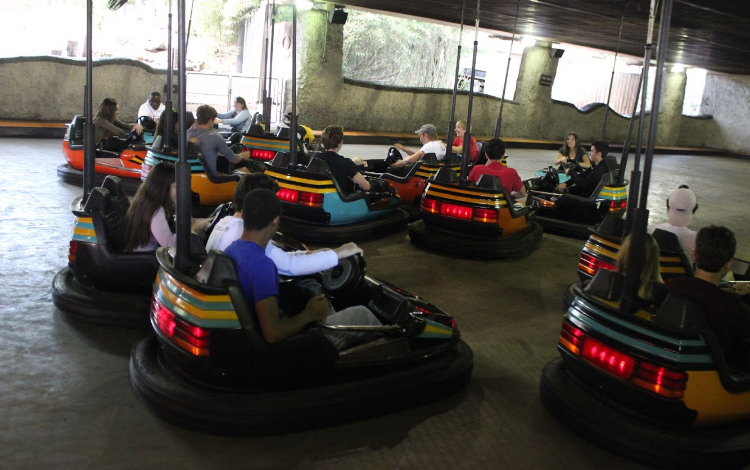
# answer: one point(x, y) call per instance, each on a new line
point(711, 34)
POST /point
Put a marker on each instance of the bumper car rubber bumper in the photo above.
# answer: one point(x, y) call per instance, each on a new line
point(441, 241)
point(232, 412)
point(73, 176)
point(562, 227)
point(335, 234)
point(96, 306)
point(723, 447)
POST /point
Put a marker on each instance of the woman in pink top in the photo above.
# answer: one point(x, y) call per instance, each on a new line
point(148, 219)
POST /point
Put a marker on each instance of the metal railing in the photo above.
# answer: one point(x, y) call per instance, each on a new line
point(219, 91)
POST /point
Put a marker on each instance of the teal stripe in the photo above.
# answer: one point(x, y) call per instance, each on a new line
point(648, 349)
point(190, 318)
point(85, 225)
point(84, 238)
point(446, 331)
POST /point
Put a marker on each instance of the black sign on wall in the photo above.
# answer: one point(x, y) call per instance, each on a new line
point(545, 80)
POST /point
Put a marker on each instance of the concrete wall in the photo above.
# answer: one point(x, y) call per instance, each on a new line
point(52, 89)
point(727, 98)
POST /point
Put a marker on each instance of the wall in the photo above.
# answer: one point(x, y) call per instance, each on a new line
point(727, 98)
point(52, 89)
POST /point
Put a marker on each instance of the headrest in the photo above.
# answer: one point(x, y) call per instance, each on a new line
point(667, 241)
point(283, 133)
point(611, 225)
point(680, 313)
point(317, 165)
point(487, 181)
point(606, 284)
point(445, 175)
point(281, 160)
point(97, 200)
point(429, 158)
point(215, 269)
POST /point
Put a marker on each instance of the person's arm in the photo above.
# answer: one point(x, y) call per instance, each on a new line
point(561, 159)
point(585, 161)
point(275, 328)
point(301, 263)
point(413, 157)
point(145, 110)
point(520, 194)
point(224, 150)
point(361, 181)
point(473, 149)
point(111, 127)
point(241, 117)
point(403, 149)
point(457, 145)
point(160, 228)
point(226, 115)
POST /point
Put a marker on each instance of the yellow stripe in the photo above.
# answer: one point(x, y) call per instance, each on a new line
point(602, 251)
point(285, 177)
point(434, 329)
point(84, 232)
point(498, 203)
point(198, 295)
point(85, 220)
point(603, 241)
point(307, 189)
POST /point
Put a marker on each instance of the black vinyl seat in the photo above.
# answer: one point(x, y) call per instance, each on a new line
point(445, 175)
point(194, 152)
point(113, 184)
point(669, 245)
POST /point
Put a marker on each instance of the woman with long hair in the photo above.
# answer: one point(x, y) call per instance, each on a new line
point(237, 119)
point(148, 219)
point(571, 151)
point(159, 143)
point(107, 125)
point(651, 289)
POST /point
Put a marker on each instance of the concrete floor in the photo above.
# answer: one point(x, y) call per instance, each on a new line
point(66, 400)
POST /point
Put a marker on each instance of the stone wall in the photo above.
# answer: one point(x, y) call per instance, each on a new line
point(52, 89)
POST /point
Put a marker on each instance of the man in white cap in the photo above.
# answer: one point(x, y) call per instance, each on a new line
point(681, 205)
point(430, 144)
point(304, 133)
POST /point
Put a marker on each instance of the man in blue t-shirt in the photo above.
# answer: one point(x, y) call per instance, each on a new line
point(261, 211)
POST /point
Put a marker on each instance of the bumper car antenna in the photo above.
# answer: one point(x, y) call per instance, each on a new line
point(452, 120)
point(507, 69)
point(635, 257)
point(467, 137)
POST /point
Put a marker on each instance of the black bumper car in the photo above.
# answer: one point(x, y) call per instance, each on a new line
point(209, 368)
point(656, 388)
point(571, 215)
point(474, 220)
point(102, 284)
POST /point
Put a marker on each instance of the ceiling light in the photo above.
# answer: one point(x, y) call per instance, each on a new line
point(528, 41)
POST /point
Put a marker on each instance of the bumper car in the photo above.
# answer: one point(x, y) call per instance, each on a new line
point(572, 215)
point(102, 284)
point(656, 388)
point(603, 244)
point(125, 164)
point(475, 220)
point(209, 368)
point(207, 190)
point(317, 210)
point(264, 147)
point(411, 185)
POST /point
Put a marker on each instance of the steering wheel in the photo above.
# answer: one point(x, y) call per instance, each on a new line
point(133, 137)
point(345, 276)
point(550, 179)
point(219, 213)
point(147, 122)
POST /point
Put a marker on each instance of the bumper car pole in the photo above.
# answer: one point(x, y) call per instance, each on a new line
point(89, 129)
point(635, 257)
point(507, 69)
point(467, 137)
point(267, 98)
point(452, 120)
point(635, 178)
point(293, 124)
point(169, 125)
point(182, 225)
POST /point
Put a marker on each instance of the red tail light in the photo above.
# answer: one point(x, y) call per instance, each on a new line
point(658, 379)
point(258, 154)
point(455, 211)
point(288, 195)
point(608, 358)
point(666, 382)
point(430, 205)
point(591, 264)
point(191, 338)
point(72, 251)
point(617, 206)
point(485, 215)
point(300, 197)
point(311, 199)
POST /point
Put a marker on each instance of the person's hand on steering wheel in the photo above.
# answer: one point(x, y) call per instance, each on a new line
point(346, 250)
